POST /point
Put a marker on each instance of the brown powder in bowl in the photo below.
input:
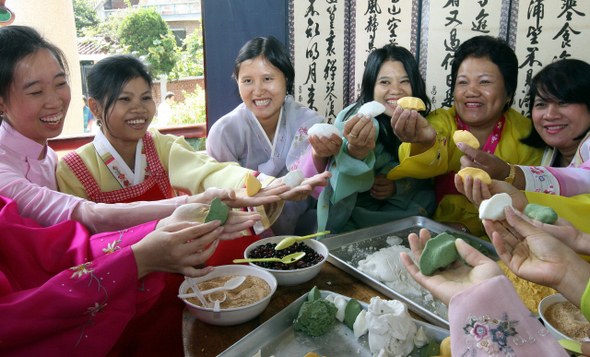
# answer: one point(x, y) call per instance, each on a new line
point(567, 319)
point(253, 289)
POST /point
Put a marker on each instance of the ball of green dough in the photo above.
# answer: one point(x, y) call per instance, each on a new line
point(438, 252)
point(541, 213)
point(217, 211)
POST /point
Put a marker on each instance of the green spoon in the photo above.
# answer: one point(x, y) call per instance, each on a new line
point(571, 345)
point(289, 241)
point(288, 259)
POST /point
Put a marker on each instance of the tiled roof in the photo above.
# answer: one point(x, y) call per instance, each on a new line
point(90, 48)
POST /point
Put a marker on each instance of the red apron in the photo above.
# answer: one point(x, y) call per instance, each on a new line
point(156, 187)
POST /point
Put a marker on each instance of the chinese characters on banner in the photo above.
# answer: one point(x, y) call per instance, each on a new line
point(450, 23)
point(546, 31)
point(333, 38)
point(318, 31)
point(377, 24)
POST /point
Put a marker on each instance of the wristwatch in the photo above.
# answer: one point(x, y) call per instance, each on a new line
point(511, 174)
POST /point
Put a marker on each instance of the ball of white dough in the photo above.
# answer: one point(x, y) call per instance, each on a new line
point(373, 108)
point(493, 208)
point(293, 178)
point(323, 129)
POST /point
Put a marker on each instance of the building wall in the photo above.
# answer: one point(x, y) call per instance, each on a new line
point(184, 84)
point(62, 33)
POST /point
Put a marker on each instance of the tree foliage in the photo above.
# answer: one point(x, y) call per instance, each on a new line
point(190, 57)
point(85, 15)
point(144, 29)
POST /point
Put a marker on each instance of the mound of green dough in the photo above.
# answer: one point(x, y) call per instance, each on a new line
point(540, 213)
point(316, 317)
point(217, 211)
point(438, 252)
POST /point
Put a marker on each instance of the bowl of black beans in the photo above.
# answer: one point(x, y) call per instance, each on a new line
point(295, 273)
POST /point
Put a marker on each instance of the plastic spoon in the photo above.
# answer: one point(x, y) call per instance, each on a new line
point(217, 303)
point(196, 291)
point(289, 241)
point(291, 258)
point(229, 285)
point(571, 345)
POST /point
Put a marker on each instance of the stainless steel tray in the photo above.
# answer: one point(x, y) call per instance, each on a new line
point(346, 250)
point(278, 337)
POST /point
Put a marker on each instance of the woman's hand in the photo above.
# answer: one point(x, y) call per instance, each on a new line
point(265, 196)
point(535, 255)
point(383, 188)
point(323, 148)
point(457, 276)
point(476, 191)
point(301, 192)
point(411, 127)
point(497, 168)
point(566, 232)
point(360, 131)
point(236, 221)
point(177, 248)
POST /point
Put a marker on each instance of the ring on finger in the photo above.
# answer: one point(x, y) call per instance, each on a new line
point(352, 135)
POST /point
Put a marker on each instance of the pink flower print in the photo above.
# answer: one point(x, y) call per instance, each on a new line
point(126, 183)
point(484, 345)
point(121, 176)
point(479, 331)
point(537, 170)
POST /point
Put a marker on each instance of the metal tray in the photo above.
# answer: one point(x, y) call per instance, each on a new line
point(347, 249)
point(277, 337)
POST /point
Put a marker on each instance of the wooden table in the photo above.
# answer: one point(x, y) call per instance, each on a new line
point(201, 339)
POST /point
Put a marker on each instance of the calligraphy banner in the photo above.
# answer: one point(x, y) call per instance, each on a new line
point(455, 22)
point(377, 23)
point(546, 31)
point(319, 54)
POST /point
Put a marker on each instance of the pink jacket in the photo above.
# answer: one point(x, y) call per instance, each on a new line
point(64, 292)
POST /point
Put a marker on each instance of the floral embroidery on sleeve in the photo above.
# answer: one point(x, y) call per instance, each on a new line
point(79, 272)
point(493, 335)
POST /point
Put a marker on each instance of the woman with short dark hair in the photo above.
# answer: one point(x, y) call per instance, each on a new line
point(484, 75)
point(268, 131)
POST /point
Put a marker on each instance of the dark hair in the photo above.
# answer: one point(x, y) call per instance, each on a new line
point(498, 51)
point(16, 43)
point(169, 95)
point(271, 50)
point(389, 52)
point(107, 78)
point(565, 80)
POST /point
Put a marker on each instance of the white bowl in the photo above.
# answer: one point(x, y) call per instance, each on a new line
point(296, 276)
point(235, 316)
point(543, 305)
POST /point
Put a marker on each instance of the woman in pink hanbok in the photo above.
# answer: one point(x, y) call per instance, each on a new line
point(64, 292)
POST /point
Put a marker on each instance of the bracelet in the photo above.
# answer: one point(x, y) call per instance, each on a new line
point(511, 174)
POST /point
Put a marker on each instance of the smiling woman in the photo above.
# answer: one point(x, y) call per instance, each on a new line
point(561, 116)
point(268, 131)
point(483, 81)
